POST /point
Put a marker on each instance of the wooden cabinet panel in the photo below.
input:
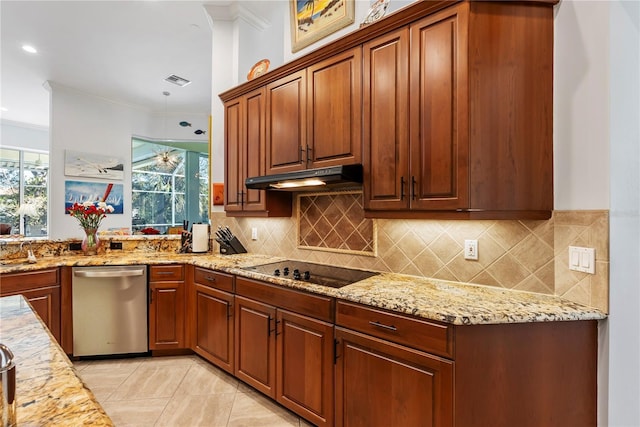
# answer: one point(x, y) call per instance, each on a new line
point(305, 367)
point(163, 273)
point(430, 336)
point(379, 383)
point(317, 306)
point(334, 99)
point(234, 152)
point(213, 279)
point(255, 346)
point(286, 123)
point(42, 290)
point(245, 156)
point(439, 147)
point(167, 306)
point(386, 121)
point(214, 326)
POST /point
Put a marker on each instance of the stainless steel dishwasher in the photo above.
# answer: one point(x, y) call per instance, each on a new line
point(109, 310)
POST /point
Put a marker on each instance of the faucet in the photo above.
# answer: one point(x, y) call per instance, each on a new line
point(30, 256)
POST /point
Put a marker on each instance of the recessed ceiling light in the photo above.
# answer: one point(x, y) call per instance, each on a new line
point(29, 48)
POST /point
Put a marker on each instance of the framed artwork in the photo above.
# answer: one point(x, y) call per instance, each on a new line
point(81, 191)
point(93, 165)
point(312, 20)
point(217, 193)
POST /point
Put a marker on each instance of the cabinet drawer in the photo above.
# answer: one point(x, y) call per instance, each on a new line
point(162, 273)
point(15, 282)
point(317, 306)
point(213, 279)
point(424, 335)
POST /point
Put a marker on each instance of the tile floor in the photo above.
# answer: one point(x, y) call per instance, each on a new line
point(179, 391)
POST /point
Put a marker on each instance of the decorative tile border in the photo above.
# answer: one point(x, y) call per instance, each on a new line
point(335, 222)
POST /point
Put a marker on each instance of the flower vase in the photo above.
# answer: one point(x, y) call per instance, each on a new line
point(91, 242)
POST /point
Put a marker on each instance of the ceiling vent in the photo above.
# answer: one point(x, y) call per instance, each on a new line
point(176, 80)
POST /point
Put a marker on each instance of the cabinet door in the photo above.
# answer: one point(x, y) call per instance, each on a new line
point(286, 123)
point(380, 384)
point(439, 112)
point(255, 346)
point(214, 326)
point(46, 302)
point(42, 290)
point(305, 367)
point(334, 99)
point(254, 153)
point(166, 315)
point(235, 147)
point(386, 121)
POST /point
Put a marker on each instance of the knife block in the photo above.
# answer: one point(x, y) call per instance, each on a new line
point(231, 247)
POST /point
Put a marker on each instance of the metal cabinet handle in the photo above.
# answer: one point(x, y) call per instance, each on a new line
point(164, 273)
point(413, 188)
point(382, 325)
point(402, 188)
point(309, 151)
point(210, 279)
point(108, 273)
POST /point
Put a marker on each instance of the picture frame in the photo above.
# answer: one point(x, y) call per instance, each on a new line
point(312, 20)
point(84, 191)
point(88, 165)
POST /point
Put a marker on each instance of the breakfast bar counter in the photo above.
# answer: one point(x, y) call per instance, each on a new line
point(48, 391)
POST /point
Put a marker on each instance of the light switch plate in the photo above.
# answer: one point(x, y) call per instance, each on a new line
point(582, 259)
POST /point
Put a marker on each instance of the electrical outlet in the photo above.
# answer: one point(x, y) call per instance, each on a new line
point(115, 245)
point(471, 249)
point(76, 246)
point(254, 233)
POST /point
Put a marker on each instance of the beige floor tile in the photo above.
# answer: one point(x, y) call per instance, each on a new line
point(206, 379)
point(144, 412)
point(200, 411)
point(102, 383)
point(110, 365)
point(255, 410)
point(151, 382)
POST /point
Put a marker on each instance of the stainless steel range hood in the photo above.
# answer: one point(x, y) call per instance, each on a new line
point(309, 179)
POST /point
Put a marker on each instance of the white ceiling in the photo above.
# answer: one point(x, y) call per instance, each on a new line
point(119, 50)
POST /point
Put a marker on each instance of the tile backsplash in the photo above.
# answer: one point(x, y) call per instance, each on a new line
point(524, 255)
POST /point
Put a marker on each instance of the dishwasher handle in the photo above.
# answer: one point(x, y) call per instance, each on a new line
point(108, 273)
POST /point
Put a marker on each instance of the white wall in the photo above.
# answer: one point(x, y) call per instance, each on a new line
point(622, 332)
point(86, 123)
point(581, 105)
point(24, 136)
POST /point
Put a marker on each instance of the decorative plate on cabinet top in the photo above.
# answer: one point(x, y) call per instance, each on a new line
point(376, 11)
point(258, 69)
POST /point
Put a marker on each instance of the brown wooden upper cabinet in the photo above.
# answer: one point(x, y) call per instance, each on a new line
point(245, 157)
point(447, 104)
point(458, 114)
point(314, 116)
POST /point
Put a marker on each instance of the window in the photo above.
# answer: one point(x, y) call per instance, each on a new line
point(169, 184)
point(24, 185)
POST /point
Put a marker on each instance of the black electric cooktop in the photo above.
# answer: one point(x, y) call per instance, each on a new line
point(325, 275)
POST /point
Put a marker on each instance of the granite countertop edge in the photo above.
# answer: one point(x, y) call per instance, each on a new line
point(444, 301)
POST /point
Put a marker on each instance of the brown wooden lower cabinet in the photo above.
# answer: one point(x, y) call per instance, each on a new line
point(284, 354)
point(214, 326)
point(42, 290)
point(167, 307)
point(396, 370)
point(379, 383)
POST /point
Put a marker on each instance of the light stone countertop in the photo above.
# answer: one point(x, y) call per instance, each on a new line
point(449, 302)
point(48, 391)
